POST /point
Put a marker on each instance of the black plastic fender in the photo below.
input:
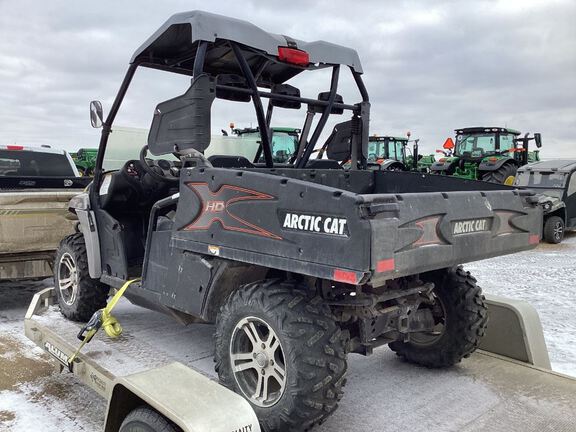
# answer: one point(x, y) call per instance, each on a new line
point(493, 166)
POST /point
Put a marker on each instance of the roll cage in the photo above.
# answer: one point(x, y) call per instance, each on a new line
point(242, 60)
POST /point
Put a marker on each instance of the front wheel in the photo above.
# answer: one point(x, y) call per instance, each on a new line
point(554, 229)
point(457, 305)
point(79, 296)
point(283, 352)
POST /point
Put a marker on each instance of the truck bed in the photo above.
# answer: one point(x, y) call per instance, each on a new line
point(486, 392)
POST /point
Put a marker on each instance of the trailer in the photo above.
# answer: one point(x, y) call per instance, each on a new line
point(506, 384)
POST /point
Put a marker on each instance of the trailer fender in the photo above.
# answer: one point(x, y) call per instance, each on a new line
point(187, 398)
point(515, 331)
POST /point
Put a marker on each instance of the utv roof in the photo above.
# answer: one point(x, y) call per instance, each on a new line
point(560, 165)
point(173, 47)
point(484, 129)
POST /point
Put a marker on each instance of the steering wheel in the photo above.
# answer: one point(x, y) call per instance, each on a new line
point(160, 170)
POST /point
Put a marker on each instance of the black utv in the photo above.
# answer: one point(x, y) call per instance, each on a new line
point(299, 263)
point(555, 180)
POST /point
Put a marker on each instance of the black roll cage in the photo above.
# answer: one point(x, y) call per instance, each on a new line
point(360, 111)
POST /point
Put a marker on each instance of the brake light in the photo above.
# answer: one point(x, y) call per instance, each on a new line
point(293, 56)
point(442, 160)
point(14, 147)
point(492, 159)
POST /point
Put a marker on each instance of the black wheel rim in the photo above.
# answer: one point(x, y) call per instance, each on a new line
point(427, 338)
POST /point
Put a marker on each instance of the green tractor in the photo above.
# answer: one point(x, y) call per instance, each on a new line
point(392, 153)
point(492, 154)
point(85, 160)
point(284, 141)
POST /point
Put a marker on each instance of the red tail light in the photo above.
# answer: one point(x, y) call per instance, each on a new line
point(442, 160)
point(492, 159)
point(293, 56)
point(14, 147)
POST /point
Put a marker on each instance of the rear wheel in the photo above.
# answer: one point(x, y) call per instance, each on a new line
point(506, 174)
point(554, 229)
point(144, 419)
point(79, 296)
point(283, 352)
point(460, 315)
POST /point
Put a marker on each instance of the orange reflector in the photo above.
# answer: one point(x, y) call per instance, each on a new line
point(385, 265)
point(345, 276)
point(534, 239)
point(14, 147)
point(442, 160)
point(448, 144)
point(294, 56)
point(492, 159)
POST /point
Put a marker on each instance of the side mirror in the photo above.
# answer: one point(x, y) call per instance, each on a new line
point(538, 140)
point(96, 116)
point(448, 144)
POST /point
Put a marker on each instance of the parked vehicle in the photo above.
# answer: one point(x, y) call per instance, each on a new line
point(85, 160)
point(492, 154)
point(36, 184)
point(284, 142)
point(297, 264)
point(556, 181)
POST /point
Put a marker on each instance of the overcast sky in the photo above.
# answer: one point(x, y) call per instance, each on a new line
point(429, 66)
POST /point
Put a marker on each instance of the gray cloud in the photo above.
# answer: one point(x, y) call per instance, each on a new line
point(430, 67)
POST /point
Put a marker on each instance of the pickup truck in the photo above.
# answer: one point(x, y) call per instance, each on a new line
point(36, 184)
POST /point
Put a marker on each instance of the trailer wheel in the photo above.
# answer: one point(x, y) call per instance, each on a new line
point(506, 174)
point(79, 296)
point(554, 229)
point(458, 305)
point(282, 350)
point(144, 419)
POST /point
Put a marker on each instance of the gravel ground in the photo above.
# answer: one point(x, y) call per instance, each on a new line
point(34, 397)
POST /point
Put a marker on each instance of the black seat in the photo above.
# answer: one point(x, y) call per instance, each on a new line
point(225, 161)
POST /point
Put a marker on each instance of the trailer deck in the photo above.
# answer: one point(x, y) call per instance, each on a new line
point(486, 392)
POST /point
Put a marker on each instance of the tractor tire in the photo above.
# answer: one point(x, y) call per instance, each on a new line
point(554, 229)
point(506, 174)
point(79, 296)
point(461, 317)
point(144, 419)
point(282, 350)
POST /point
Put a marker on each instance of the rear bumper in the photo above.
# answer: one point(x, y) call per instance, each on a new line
point(438, 230)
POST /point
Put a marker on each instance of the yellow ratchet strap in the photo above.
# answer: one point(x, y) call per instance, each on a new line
point(101, 318)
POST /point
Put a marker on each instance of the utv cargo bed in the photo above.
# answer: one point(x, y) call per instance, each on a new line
point(486, 392)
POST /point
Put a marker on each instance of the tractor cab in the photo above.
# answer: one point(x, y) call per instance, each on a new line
point(486, 153)
point(388, 151)
point(284, 142)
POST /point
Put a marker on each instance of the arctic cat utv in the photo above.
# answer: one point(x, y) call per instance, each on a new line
point(298, 264)
point(284, 142)
point(491, 154)
point(555, 180)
